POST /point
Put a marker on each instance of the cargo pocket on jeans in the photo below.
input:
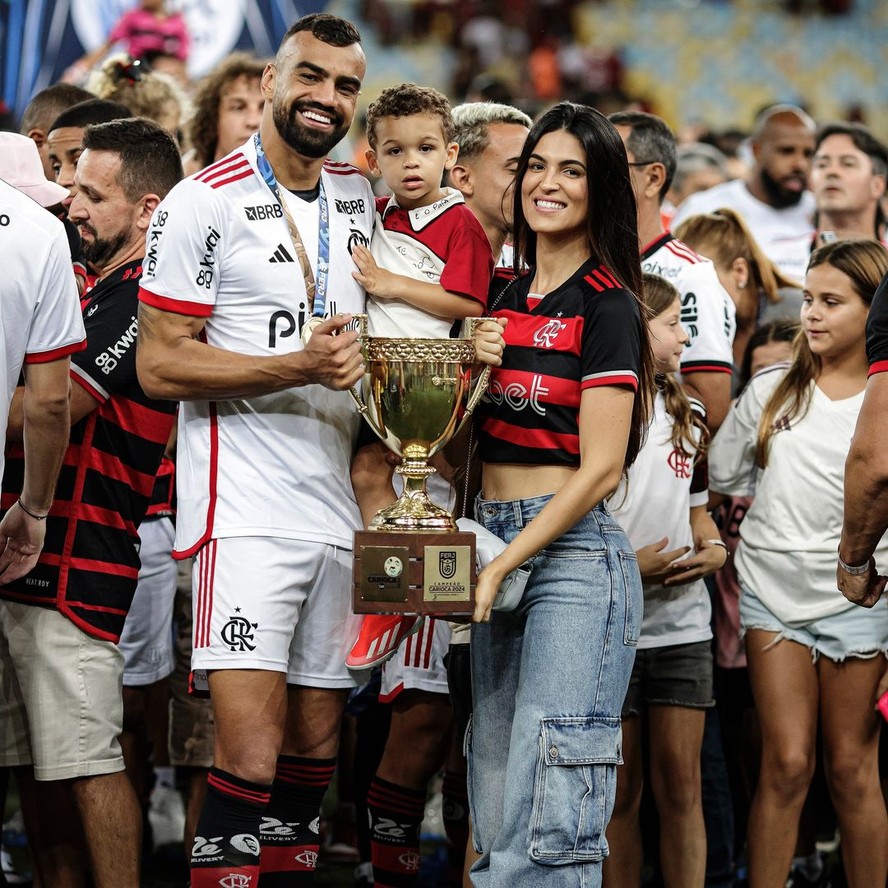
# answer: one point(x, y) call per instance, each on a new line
point(634, 597)
point(574, 789)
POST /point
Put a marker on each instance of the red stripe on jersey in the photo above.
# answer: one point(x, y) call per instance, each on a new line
point(540, 439)
point(97, 607)
point(113, 467)
point(706, 367)
point(214, 471)
point(878, 367)
point(90, 564)
point(222, 168)
point(76, 496)
point(87, 385)
point(137, 419)
point(594, 283)
point(617, 378)
point(683, 251)
point(606, 278)
point(55, 354)
point(230, 179)
point(96, 514)
point(539, 331)
point(176, 306)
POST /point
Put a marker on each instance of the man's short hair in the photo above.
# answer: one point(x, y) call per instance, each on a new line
point(330, 29)
point(650, 140)
point(46, 106)
point(695, 157)
point(149, 156)
point(782, 109)
point(90, 112)
point(473, 121)
point(406, 100)
point(863, 140)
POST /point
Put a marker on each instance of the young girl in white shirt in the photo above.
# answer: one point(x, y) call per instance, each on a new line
point(663, 509)
point(812, 654)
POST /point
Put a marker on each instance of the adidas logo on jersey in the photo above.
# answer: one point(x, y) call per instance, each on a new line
point(281, 255)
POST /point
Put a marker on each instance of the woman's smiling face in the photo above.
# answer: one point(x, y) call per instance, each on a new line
point(554, 190)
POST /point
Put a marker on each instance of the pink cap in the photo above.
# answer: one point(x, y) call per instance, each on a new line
point(21, 167)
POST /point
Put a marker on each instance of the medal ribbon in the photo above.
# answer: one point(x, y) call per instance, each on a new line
point(315, 291)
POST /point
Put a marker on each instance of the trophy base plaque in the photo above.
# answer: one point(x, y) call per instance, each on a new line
point(414, 572)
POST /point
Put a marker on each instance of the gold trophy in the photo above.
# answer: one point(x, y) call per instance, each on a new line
point(416, 395)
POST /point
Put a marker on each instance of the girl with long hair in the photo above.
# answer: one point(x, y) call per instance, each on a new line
point(813, 656)
point(663, 507)
point(564, 417)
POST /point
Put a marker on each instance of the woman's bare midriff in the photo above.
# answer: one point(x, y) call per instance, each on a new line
point(511, 481)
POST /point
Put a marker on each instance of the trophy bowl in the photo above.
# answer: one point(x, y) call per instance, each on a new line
point(416, 395)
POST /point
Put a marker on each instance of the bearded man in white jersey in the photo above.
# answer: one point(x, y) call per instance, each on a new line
point(237, 271)
point(773, 200)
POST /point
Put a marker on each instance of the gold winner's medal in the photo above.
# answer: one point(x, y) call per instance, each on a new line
point(309, 327)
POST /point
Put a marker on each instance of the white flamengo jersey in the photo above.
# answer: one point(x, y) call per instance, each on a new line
point(784, 235)
point(218, 248)
point(656, 502)
point(708, 314)
point(40, 319)
point(790, 535)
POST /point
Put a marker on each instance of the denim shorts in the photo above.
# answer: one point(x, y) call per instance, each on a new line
point(548, 680)
point(673, 675)
point(854, 632)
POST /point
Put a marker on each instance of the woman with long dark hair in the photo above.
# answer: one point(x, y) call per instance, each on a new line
point(564, 417)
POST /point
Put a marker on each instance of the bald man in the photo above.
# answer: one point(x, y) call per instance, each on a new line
point(773, 199)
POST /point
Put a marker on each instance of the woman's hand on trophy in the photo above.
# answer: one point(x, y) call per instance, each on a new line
point(489, 341)
point(370, 276)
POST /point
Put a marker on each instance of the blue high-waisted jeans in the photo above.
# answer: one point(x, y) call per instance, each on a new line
point(548, 681)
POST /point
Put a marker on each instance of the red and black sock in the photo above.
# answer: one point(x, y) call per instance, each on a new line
point(456, 822)
point(291, 826)
point(227, 840)
point(395, 818)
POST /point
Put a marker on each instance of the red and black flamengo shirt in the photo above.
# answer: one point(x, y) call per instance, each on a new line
point(90, 560)
point(584, 334)
point(877, 330)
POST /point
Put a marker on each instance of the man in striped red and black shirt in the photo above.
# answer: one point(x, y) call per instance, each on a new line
point(64, 713)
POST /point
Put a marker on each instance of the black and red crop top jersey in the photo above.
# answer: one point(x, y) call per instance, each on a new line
point(583, 334)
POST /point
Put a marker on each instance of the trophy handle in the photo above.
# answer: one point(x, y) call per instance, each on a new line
point(359, 323)
point(478, 389)
point(483, 377)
